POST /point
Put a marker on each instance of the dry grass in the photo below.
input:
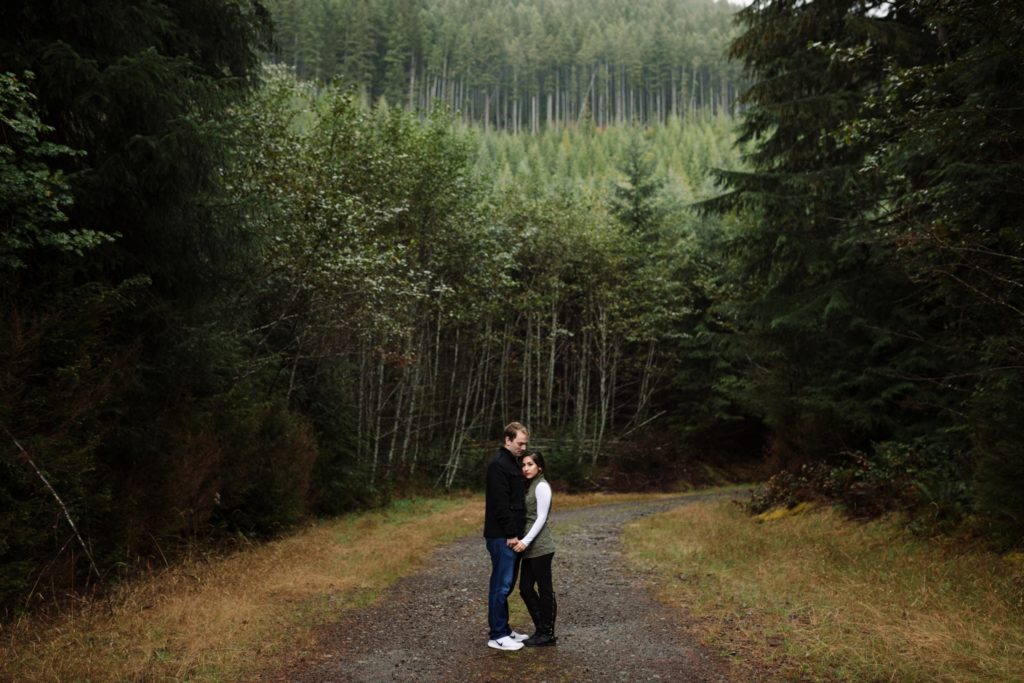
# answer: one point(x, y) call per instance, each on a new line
point(208, 621)
point(821, 598)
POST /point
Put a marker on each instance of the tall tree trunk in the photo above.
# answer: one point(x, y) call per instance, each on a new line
point(524, 387)
point(538, 373)
point(452, 394)
point(362, 403)
point(552, 349)
point(644, 395)
point(377, 418)
point(670, 103)
point(504, 388)
point(693, 90)
point(582, 388)
point(410, 416)
point(393, 441)
point(603, 362)
point(412, 84)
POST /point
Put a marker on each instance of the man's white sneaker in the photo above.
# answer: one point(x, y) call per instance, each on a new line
point(518, 637)
point(505, 643)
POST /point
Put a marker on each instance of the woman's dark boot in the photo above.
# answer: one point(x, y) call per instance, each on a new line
point(545, 635)
point(533, 607)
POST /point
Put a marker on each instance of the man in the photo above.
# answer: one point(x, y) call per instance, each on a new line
point(504, 519)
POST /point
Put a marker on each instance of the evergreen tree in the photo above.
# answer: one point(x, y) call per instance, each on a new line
point(881, 226)
point(128, 339)
point(816, 321)
point(518, 65)
point(635, 198)
point(946, 130)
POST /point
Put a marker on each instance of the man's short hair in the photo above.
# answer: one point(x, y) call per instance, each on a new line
point(512, 430)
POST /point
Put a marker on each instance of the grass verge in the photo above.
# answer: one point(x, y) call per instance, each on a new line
point(816, 597)
point(210, 620)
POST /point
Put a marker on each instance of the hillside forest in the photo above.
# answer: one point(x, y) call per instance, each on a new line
point(262, 261)
point(516, 65)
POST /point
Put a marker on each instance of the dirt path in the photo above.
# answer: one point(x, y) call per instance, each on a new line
point(433, 626)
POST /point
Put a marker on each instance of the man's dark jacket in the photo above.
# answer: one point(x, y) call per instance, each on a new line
point(505, 511)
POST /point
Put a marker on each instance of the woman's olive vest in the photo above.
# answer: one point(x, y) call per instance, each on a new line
point(543, 543)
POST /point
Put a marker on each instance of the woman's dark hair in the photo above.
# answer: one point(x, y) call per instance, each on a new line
point(537, 458)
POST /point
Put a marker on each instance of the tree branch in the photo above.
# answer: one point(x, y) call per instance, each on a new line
point(53, 492)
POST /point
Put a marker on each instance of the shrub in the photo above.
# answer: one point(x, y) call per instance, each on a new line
point(924, 479)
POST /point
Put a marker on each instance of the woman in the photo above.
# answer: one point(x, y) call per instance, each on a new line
point(538, 550)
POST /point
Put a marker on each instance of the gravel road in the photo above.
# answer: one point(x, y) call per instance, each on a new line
point(432, 626)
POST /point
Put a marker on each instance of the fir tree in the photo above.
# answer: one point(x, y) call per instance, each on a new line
point(635, 197)
point(818, 312)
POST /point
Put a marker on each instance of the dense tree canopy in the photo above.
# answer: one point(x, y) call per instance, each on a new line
point(879, 253)
point(238, 307)
point(111, 259)
point(519, 65)
point(232, 296)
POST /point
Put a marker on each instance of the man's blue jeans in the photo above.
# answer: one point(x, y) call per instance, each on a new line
point(504, 570)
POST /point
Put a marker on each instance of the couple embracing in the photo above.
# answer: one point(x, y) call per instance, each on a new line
point(518, 503)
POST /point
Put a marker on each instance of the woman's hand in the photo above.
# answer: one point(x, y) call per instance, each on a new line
point(519, 547)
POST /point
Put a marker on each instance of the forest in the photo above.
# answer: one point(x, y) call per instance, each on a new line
point(517, 65)
point(263, 261)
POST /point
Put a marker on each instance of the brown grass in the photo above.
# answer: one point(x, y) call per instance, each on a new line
point(821, 598)
point(207, 620)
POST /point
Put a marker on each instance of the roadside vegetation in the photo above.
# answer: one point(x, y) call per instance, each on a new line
point(239, 296)
point(806, 595)
point(814, 596)
point(207, 618)
point(212, 618)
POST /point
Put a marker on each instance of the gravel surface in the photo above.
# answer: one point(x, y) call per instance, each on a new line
point(432, 626)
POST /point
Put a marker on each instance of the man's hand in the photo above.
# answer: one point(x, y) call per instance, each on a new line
point(511, 542)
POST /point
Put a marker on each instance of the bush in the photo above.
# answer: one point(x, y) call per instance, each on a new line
point(924, 479)
point(787, 489)
point(998, 482)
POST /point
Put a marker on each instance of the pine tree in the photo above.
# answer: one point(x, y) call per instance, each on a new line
point(635, 198)
point(948, 136)
point(128, 338)
point(818, 317)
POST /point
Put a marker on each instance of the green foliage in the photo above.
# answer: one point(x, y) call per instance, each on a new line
point(226, 308)
point(582, 158)
point(518, 65)
point(814, 299)
point(112, 265)
point(307, 303)
point(997, 411)
point(956, 210)
point(138, 90)
point(634, 198)
point(923, 478)
point(376, 244)
point(33, 192)
point(787, 488)
point(878, 246)
point(661, 285)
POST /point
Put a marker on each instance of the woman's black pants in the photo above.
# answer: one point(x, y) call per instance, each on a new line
point(536, 590)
